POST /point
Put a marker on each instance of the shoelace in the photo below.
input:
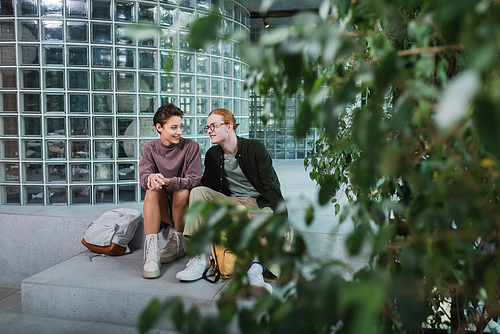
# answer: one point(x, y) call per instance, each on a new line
point(149, 252)
point(193, 263)
point(171, 243)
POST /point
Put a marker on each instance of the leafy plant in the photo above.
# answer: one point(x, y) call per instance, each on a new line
point(407, 96)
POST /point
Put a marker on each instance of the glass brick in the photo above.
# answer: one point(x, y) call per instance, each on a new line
point(102, 80)
point(8, 80)
point(104, 194)
point(125, 58)
point(184, 41)
point(168, 61)
point(148, 41)
point(227, 87)
point(236, 88)
point(125, 81)
point(30, 102)
point(52, 30)
point(11, 195)
point(126, 149)
point(217, 48)
point(216, 102)
point(55, 126)
point(126, 171)
point(28, 31)
point(103, 126)
point(203, 4)
point(188, 123)
point(168, 100)
point(78, 79)
point(146, 127)
point(32, 126)
point(147, 13)
point(80, 172)
point(103, 171)
point(216, 86)
point(102, 57)
point(28, 7)
point(147, 104)
point(56, 149)
point(76, 8)
point(81, 194)
point(125, 104)
point(77, 32)
point(122, 36)
point(168, 39)
point(54, 103)
point(167, 84)
point(168, 15)
point(125, 11)
point(103, 149)
point(103, 103)
point(216, 66)
point(80, 149)
point(186, 18)
point(125, 126)
point(10, 172)
point(57, 195)
point(54, 79)
point(202, 85)
point(56, 172)
point(78, 56)
point(7, 31)
point(101, 33)
point(79, 103)
point(202, 106)
point(52, 8)
point(127, 193)
point(53, 55)
point(32, 149)
point(147, 59)
point(33, 195)
point(33, 172)
point(186, 62)
point(186, 84)
point(186, 104)
point(101, 10)
point(29, 54)
point(79, 126)
point(147, 82)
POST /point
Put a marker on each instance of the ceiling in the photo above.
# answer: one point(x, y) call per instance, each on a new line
point(280, 13)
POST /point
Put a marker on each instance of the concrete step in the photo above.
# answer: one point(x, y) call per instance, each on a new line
point(104, 289)
point(110, 290)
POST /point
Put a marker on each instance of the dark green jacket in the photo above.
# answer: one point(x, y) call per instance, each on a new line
point(255, 163)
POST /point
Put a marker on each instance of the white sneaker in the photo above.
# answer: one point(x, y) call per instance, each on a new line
point(257, 284)
point(152, 262)
point(174, 249)
point(194, 269)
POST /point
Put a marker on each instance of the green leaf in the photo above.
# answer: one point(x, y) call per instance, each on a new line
point(337, 208)
point(304, 119)
point(204, 31)
point(328, 190)
point(309, 215)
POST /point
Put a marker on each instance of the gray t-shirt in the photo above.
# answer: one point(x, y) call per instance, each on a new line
point(238, 183)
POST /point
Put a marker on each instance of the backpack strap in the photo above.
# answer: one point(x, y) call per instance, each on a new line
point(213, 263)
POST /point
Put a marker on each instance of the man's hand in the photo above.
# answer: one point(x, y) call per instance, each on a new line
point(156, 181)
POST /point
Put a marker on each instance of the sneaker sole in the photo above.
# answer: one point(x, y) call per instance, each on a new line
point(166, 259)
point(151, 274)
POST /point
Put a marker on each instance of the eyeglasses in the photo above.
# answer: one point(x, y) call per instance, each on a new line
point(212, 127)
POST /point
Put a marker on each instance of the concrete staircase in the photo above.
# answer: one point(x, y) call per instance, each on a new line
point(106, 289)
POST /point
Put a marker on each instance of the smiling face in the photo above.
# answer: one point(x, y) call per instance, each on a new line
point(221, 132)
point(171, 131)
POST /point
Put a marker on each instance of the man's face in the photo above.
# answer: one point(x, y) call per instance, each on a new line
point(171, 131)
point(220, 132)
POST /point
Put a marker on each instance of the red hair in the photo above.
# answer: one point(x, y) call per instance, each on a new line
point(227, 116)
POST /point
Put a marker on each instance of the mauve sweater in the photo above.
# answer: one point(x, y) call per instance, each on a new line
point(181, 163)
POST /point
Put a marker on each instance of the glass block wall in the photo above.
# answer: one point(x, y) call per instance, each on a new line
point(278, 136)
point(78, 92)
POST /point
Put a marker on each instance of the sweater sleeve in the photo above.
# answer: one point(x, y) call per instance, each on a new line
point(191, 173)
point(147, 165)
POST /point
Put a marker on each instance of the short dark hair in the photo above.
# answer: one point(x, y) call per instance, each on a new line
point(165, 112)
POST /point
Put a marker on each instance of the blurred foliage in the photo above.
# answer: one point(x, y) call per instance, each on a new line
point(406, 94)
